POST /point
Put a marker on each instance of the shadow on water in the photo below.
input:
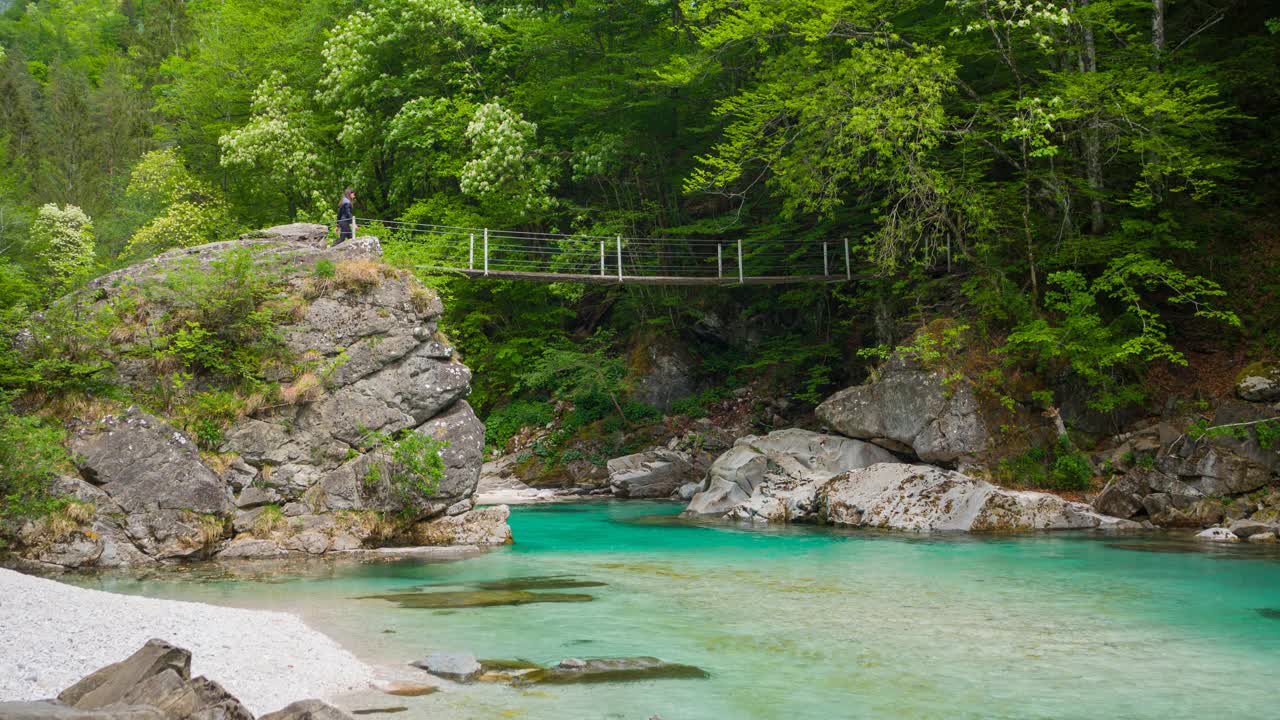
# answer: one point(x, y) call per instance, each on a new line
point(1268, 613)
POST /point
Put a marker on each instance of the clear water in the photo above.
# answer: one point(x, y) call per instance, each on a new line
point(796, 623)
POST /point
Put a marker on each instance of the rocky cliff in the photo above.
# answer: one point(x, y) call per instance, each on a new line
point(361, 437)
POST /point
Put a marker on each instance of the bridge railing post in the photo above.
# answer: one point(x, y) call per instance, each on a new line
point(486, 251)
point(848, 271)
point(471, 256)
point(719, 260)
point(619, 258)
point(602, 258)
point(826, 269)
point(741, 273)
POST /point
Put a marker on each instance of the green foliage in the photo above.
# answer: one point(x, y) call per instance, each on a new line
point(1059, 467)
point(410, 462)
point(592, 377)
point(207, 415)
point(325, 270)
point(504, 422)
point(32, 451)
point(183, 210)
point(225, 322)
point(1102, 352)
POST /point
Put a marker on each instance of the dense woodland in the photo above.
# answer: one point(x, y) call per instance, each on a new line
point(1076, 195)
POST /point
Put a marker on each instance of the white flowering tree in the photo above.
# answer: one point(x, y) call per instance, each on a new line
point(388, 69)
point(64, 240)
point(277, 145)
point(184, 211)
point(504, 167)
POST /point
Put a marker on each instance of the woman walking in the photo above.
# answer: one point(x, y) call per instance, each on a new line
point(346, 217)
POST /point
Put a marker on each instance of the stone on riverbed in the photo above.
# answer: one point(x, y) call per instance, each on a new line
point(475, 598)
point(460, 667)
point(606, 670)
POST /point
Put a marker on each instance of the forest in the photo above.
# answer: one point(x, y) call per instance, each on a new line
point(1078, 196)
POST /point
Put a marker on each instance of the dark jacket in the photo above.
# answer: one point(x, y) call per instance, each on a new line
point(344, 211)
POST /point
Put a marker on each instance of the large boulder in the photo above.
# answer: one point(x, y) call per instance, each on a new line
point(1259, 383)
point(924, 498)
point(485, 526)
point(758, 476)
point(908, 406)
point(654, 473)
point(154, 683)
point(1126, 496)
point(362, 364)
point(152, 488)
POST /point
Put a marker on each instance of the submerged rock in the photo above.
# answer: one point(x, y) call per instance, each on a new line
point(611, 670)
point(461, 667)
point(444, 600)
point(547, 582)
point(307, 710)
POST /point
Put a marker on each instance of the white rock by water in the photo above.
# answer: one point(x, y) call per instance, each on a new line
point(53, 634)
point(1217, 534)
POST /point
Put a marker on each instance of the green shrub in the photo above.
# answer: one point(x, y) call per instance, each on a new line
point(226, 323)
point(1058, 467)
point(32, 452)
point(325, 269)
point(507, 420)
point(207, 415)
point(410, 462)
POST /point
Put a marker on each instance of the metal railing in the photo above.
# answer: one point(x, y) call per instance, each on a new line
point(551, 257)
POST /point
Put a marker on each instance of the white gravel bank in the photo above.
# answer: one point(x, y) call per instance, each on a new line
point(52, 634)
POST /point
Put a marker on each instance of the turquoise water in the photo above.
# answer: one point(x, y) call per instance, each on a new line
point(816, 624)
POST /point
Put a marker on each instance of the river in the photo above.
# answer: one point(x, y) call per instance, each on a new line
point(796, 623)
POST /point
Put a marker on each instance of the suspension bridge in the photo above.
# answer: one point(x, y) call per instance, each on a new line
point(551, 257)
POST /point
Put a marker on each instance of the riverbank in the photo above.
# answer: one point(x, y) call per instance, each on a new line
point(52, 634)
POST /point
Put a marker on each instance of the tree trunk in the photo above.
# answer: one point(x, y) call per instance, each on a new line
point(1092, 133)
point(1157, 29)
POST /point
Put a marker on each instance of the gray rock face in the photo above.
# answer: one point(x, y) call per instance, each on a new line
point(1260, 386)
point(1212, 467)
point(913, 407)
point(155, 498)
point(769, 478)
point(922, 498)
point(486, 526)
point(311, 234)
point(654, 473)
point(462, 667)
point(1146, 490)
point(668, 375)
point(145, 465)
